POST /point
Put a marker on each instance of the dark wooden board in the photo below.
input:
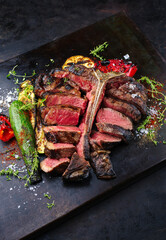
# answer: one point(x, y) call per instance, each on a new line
point(24, 211)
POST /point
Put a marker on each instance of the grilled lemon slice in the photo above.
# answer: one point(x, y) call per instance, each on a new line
point(85, 61)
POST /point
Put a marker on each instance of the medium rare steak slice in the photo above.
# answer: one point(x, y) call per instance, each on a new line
point(66, 100)
point(103, 141)
point(108, 115)
point(77, 170)
point(59, 150)
point(59, 166)
point(123, 107)
point(115, 131)
point(102, 166)
point(60, 115)
point(62, 134)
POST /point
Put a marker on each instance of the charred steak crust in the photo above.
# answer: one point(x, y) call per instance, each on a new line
point(114, 130)
point(126, 108)
point(59, 150)
point(129, 90)
point(99, 141)
point(77, 170)
point(62, 134)
point(102, 166)
point(44, 83)
point(79, 74)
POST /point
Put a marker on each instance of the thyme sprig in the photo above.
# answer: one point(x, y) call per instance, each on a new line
point(10, 172)
point(29, 105)
point(47, 196)
point(50, 205)
point(16, 76)
point(154, 88)
point(34, 167)
point(98, 49)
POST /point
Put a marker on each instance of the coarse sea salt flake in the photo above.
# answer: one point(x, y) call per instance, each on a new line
point(126, 56)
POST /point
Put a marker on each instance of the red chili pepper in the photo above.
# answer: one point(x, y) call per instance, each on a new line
point(6, 132)
point(116, 65)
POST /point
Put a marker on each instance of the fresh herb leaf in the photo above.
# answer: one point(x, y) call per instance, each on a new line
point(76, 69)
point(10, 172)
point(65, 80)
point(34, 167)
point(16, 76)
point(47, 196)
point(144, 123)
point(8, 178)
point(98, 49)
point(50, 205)
point(155, 89)
point(29, 105)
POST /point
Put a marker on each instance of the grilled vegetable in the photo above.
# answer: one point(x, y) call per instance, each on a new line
point(25, 136)
point(27, 96)
point(39, 133)
point(87, 62)
point(6, 132)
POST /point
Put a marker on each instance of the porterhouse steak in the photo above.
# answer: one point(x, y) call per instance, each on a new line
point(87, 113)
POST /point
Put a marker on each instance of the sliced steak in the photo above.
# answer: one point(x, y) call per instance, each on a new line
point(102, 166)
point(59, 150)
point(127, 89)
point(45, 83)
point(79, 74)
point(83, 147)
point(62, 134)
point(95, 98)
point(59, 166)
point(126, 108)
point(64, 88)
point(103, 141)
point(128, 84)
point(66, 100)
point(60, 115)
point(77, 170)
point(115, 131)
point(108, 115)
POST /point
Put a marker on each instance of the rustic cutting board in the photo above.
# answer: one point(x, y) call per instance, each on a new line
point(24, 211)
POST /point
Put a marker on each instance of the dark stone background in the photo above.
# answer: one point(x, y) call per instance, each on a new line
point(137, 212)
